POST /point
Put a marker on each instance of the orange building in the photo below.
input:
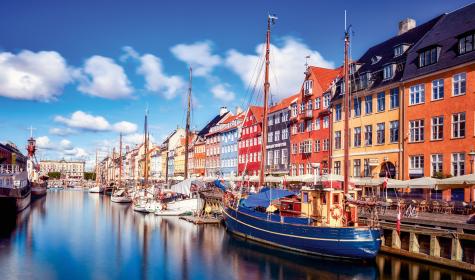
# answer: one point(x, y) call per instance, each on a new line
point(439, 102)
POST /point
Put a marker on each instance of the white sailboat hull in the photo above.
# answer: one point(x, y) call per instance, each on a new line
point(121, 199)
point(180, 207)
point(96, 189)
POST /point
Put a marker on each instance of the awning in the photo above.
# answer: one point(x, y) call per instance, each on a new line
point(265, 197)
point(459, 180)
point(184, 187)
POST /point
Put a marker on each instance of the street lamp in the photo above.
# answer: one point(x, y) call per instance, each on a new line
point(472, 159)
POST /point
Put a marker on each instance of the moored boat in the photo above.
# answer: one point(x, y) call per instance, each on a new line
point(15, 190)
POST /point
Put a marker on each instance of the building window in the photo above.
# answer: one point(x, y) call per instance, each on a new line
point(337, 167)
point(466, 44)
point(388, 71)
point(307, 146)
point(309, 168)
point(270, 120)
point(293, 109)
point(458, 164)
point(417, 95)
point(277, 135)
point(357, 106)
point(368, 104)
point(429, 56)
point(302, 127)
point(380, 131)
point(357, 167)
point(276, 157)
point(326, 121)
point(357, 137)
point(416, 129)
point(301, 147)
point(338, 112)
point(398, 50)
point(326, 101)
point(459, 84)
point(337, 140)
point(364, 80)
point(285, 134)
point(458, 125)
point(294, 149)
point(309, 125)
point(438, 89)
point(326, 144)
point(436, 162)
point(301, 169)
point(394, 131)
point(367, 168)
point(416, 165)
point(308, 86)
point(368, 135)
point(285, 156)
point(293, 170)
point(294, 129)
point(317, 103)
point(381, 102)
point(317, 124)
point(437, 128)
point(317, 145)
point(394, 98)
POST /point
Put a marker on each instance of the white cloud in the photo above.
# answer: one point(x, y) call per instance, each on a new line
point(37, 76)
point(125, 127)
point(223, 93)
point(198, 55)
point(286, 60)
point(156, 80)
point(79, 153)
point(84, 121)
point(62, 131)
point(136, 138)
point(65, 145)
point(102, 77)
point(87, 122)
point(44, 143)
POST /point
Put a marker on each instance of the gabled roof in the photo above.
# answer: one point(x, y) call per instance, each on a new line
point(257, 112)
point(325, 76)
point(210, 124)
point(284, 103)
point(444, 34)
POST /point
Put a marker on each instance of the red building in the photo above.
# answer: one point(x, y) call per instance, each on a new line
point(310, 122)
point(250, 142)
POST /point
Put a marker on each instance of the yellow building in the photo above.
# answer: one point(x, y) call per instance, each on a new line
point(376, 98)
point(179, 164)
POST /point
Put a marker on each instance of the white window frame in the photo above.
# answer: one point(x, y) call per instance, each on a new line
point(459, 82)
point(459, 125)
point(437, 89)
point(437, 125)
point(416, 128)
point(417, 94)
point(436, 164)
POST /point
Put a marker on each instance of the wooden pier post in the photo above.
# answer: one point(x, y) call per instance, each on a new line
point(456, 249)
point(434, 246)
point(413, 243)
point(396, 240)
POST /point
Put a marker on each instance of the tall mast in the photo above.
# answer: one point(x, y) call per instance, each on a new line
point(146, 149)
point(266, 96)
point(346, 101)
point(96, 166)
point(187, 127)
point(120, 160)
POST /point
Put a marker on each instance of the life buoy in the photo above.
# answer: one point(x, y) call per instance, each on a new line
point(336, 211)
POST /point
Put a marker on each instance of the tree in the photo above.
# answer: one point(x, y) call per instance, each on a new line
point(54, 175)
point(89, 175)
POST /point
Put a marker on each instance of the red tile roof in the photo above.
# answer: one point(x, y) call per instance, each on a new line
point(258, 112)
point(284, 103)
point(325, 76)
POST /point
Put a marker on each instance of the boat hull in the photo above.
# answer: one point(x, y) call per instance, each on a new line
point(14, 204)
point(96, 189)
point(346, 242)
point(121, 199)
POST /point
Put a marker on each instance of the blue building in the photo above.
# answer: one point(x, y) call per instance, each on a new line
point(229, 145)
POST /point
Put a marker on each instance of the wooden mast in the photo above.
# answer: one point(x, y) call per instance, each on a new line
point(187, 127)
point(146, 149)
point(120, 160)
point(346, 101)
point(96, 167)
point(266, 96)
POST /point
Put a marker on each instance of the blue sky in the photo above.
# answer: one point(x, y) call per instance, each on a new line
point(81, 71)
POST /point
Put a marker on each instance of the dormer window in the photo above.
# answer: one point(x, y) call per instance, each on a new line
point(352, 68)
point(375, 59)
point(429, 56)
point(364, 80)
point(400, 49)
point(307, 87)
point(466, 43)
point(388, 71)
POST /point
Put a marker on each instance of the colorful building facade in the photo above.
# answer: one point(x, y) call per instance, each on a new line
point(250, 142)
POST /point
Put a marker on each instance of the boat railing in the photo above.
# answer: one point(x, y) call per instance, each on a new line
point(10, 169)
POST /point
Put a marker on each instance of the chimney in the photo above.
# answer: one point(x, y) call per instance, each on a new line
point(223, 110)
point(406, 25)
point(238, 110)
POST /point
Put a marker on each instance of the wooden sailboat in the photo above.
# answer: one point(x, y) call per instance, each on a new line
point(326, 225)
point(121, 194)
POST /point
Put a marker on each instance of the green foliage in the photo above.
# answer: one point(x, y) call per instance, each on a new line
point(440, 175)
point(54, 175)
point(90, 175)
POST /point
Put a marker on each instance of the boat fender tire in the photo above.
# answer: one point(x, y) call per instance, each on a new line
point(336, 211)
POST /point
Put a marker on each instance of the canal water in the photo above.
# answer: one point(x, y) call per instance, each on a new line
point(72, 234)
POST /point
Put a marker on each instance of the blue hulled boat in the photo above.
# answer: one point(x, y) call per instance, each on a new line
point(298, 233)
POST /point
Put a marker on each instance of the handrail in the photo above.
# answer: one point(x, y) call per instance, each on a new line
point(10, 168)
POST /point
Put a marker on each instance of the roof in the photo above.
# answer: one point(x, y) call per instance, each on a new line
point(284, 103)
point(210, 124)
point(444, 34)
point(258, 112)
point(325, 76)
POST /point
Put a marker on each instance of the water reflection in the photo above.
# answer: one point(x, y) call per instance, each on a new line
point(77, 235)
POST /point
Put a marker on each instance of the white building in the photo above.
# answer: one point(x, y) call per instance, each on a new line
point(68, 169)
